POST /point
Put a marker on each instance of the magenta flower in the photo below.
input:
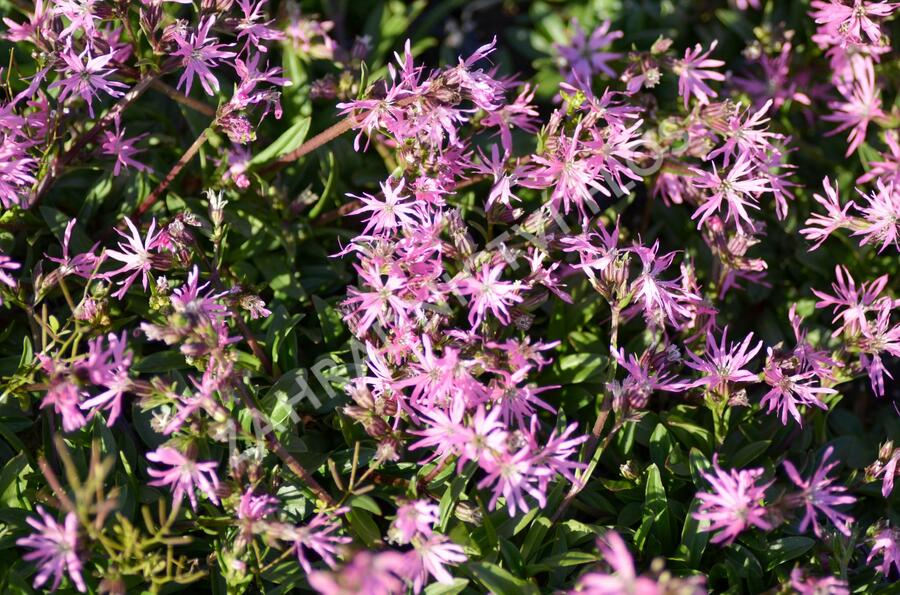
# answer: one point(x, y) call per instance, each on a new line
point(888, 468)
point(199, 54)
point(820, 227)
point(734, 504)
point(881, 216)
point(414, 518)
point(8, 264)
point(382, 573)
point(852, 21)
point(723, 364)
point(623, 577)
point(861, 105)
point(791, 388)
point(86, 79)
point(108, 367)
point(390, 213)
point(886, 543)
point(317, 536)
point(123, 149)
point(819, 495)
point(851, 304)
point(184, 475)
point(63, 395)
point(694, 70)
point(431, 555)
point(519, 114)
point(879, 337)
point(888, 167)
point(136, 256)
point(382, 302)
point(16, 172)
point(739, 189)
point(82, 265)
point(585, 56)
point(804, 584)
point(33, 29)
point(571, 172)
point(488, 293)
point(55, 550)
point(254, 28)
point(660, 300)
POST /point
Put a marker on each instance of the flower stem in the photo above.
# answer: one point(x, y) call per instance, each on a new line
point(173, 173)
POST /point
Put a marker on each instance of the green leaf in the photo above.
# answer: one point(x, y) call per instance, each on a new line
point(364, 527)
point(749, 453)
point(576, 368)
point(162, 361)
point(660, 445)
point(451, 497)
point(457, 586)
point(656, 511)
point(699, 464)
point(693, 537)
point(498, 580)
point(12, 482)
point(290, 140)
point(786, 549)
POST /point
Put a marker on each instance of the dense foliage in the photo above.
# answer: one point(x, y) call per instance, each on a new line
point(594, 296)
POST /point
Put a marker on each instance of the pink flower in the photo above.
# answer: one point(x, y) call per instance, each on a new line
point(488, 293)
point(819, 227)
point(693, 70)
point(888, 467)
point(382, 303)
point(740, 189)
point(879, 337)
point(571, 172)
point(55, 550)
point(888, 168)
point(388, 214)
point(123, 149)
point(136, 256)
point(881, 216)
point(63, 395)
point(86, 78)
point(317, 536)
point(723, 364)
point(886, 543)
point(108, 368)
point(431, 555)
point(82, 265)
point(199, 54)
point(804, 584)
point(8, 264)
point(849, 303)
point(861, 105)
point(253, 28)
point(623, 577)
point(852, 21)
point(501, 192)
point(660, 300)
point(733, 505)
point(381, 573)
point(584, 56)
point(414, 518)
point(790, 388)
point(519, 114)
point(819, 495)
point(184, 475)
